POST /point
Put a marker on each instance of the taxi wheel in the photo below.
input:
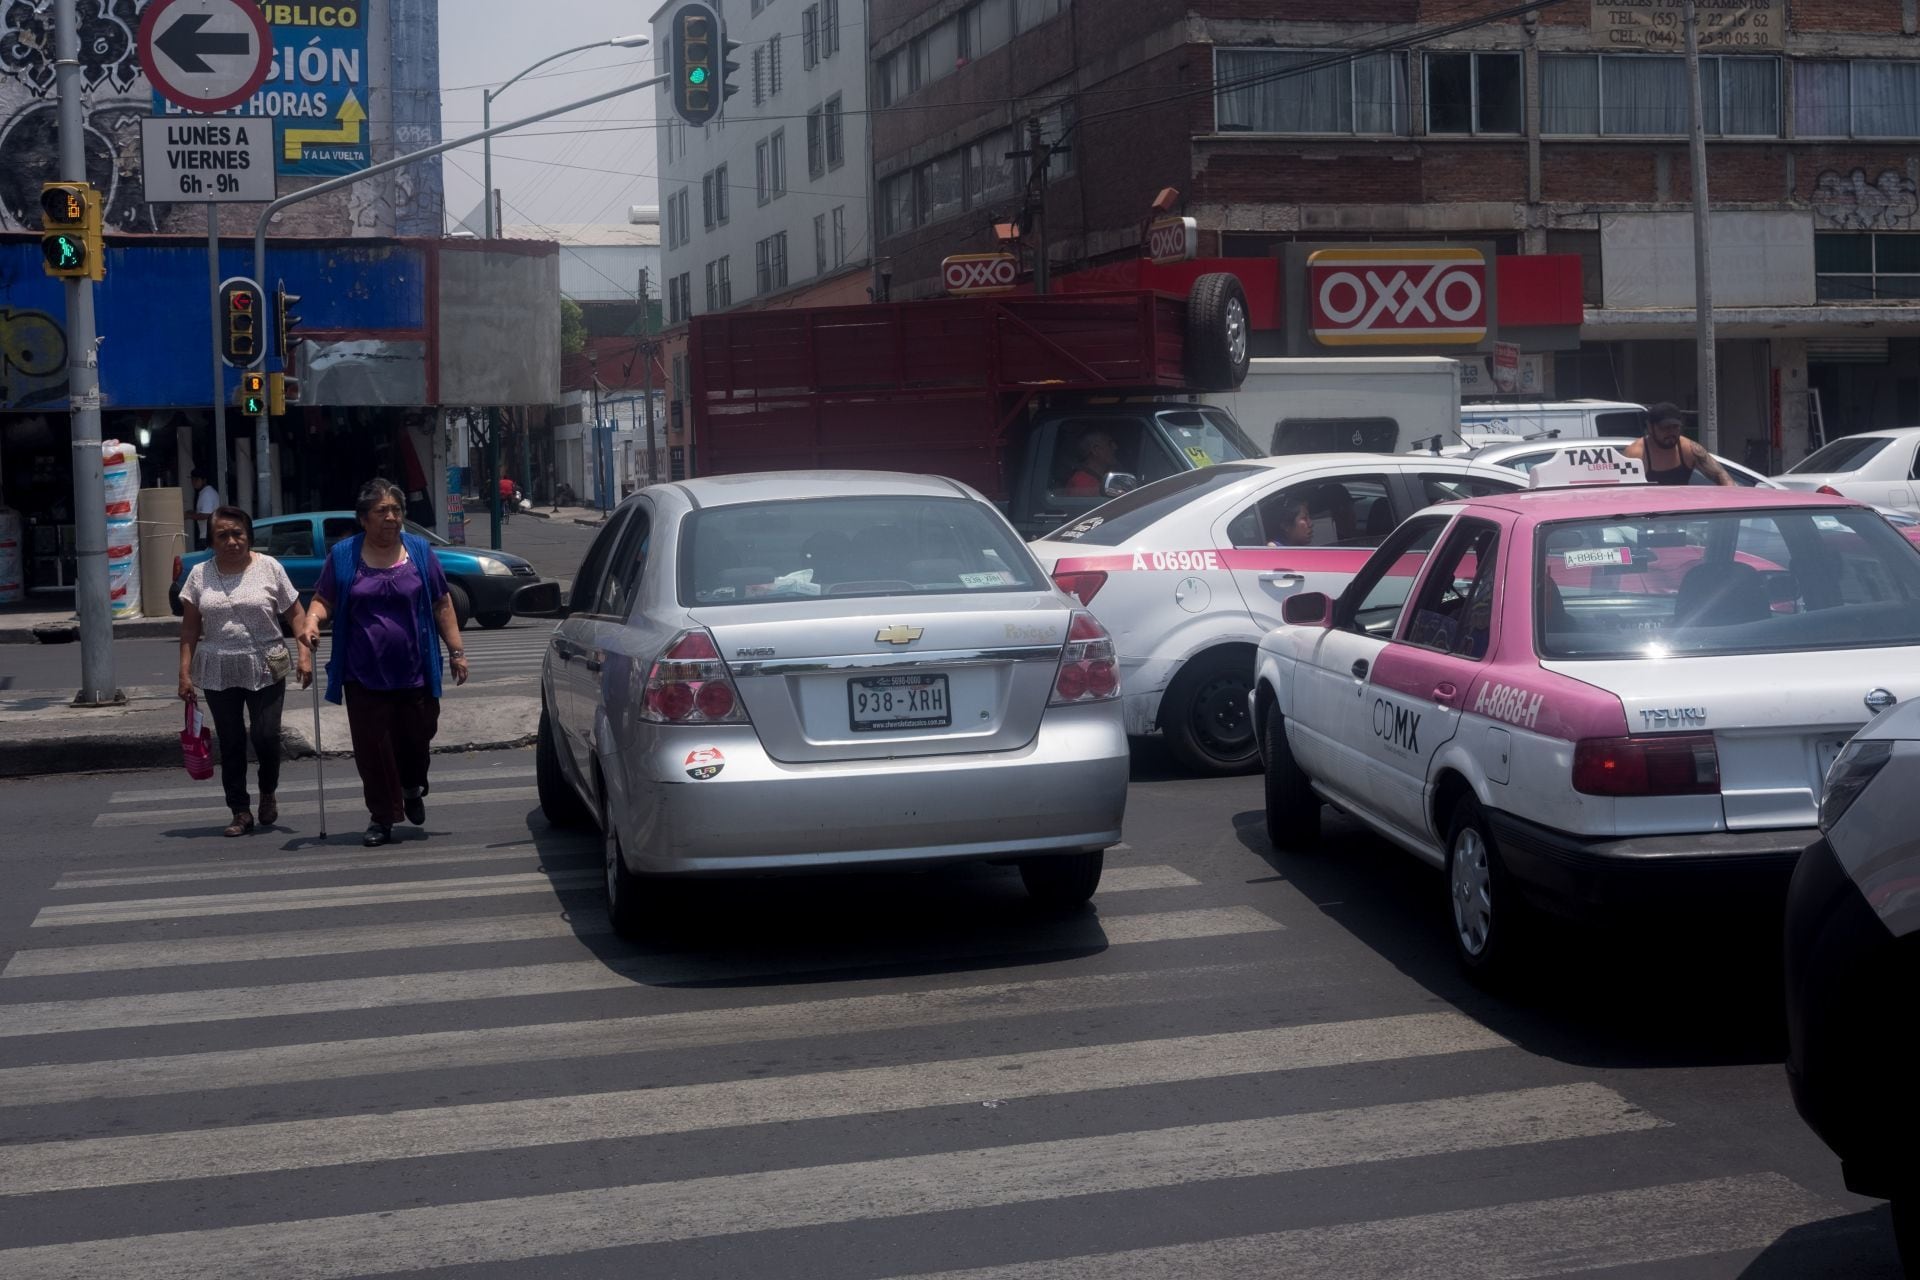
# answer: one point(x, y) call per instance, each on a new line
point(1487, 914)
point(625, 895)
point(1062, 881)
point(1293, 810)
point(1205, 715)
point(558, 800)
point(494, 621)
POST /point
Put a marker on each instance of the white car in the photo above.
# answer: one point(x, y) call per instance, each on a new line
point(1523, 456)
point(1877, 467)
point(1187, 573)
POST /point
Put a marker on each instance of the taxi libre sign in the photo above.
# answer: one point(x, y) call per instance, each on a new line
point(315, 93)
point(1659, 26)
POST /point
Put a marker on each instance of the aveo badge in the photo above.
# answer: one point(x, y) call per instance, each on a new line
point(703, 763)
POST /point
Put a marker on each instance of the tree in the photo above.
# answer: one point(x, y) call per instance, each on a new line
point(573, 328)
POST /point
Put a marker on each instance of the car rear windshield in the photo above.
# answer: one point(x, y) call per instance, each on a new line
point(1757, 581)
point(1207, 436)
point(1130, 514)
point(881, 546)
point(1849, 453)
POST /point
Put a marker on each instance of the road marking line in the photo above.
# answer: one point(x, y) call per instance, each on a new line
point(220, 1004)
point(544, 1122)
point(1134, 879)
point(529, 1227)
point(209, 813)
point(294, 865)
point(198, 790)
point(271, 900)
point(1500, 1242)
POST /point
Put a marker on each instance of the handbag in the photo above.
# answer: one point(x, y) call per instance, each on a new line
point(279, 661)
point(196, 744)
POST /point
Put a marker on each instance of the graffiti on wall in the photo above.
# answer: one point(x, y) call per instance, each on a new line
point(33, 359)
point(1853, 202)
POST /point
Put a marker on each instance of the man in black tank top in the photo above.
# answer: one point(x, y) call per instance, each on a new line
point(1669, 456)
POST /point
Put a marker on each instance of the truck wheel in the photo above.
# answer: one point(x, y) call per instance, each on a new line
point(462, 608)
point(1293, 810)
point(1217, 332)
point(1489, 916)
point(1205, 716)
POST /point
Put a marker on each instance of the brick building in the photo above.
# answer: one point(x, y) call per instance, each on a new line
point(1558, 132)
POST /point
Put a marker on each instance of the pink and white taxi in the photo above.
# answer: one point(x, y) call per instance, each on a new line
point(1591, 699)
point(1188, 572)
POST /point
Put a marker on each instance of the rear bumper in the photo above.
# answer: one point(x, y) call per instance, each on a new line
point(1065, 791)
point(1582, 875)
point(491, 592)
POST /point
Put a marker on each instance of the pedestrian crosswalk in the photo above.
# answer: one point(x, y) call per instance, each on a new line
point(511, 655)
point(320, 1061)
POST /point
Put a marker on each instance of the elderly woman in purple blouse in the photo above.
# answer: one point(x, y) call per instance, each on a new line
point(387, 596)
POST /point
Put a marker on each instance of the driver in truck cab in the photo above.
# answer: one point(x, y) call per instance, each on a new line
point(1098, 456)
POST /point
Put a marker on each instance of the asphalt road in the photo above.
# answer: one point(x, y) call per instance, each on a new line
point(282, 1056)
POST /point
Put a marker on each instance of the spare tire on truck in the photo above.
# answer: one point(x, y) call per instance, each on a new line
point(1217, 333)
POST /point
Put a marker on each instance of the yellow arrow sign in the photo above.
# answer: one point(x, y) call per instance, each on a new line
point(351, 115)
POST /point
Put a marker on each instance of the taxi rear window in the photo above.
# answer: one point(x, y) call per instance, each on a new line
point(1756, 581)
point(1130, 514)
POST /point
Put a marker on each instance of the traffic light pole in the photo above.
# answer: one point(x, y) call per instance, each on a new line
point(221, 484)
point(263, 487)
point(97, 686)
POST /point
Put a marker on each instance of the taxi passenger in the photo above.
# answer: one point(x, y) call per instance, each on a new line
point(1296, 525)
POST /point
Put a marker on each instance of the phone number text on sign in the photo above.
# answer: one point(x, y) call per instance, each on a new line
point(1397, 297)
point(1661, 24)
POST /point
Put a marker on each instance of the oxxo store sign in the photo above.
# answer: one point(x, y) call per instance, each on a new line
point(1384, 299)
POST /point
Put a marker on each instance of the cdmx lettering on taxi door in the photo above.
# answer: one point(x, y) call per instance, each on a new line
point(1398, 727)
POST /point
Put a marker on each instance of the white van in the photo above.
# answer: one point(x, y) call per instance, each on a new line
point(1558, 420)
point(1367, 404)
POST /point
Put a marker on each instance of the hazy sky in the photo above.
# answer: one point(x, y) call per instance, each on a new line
point(588, 166)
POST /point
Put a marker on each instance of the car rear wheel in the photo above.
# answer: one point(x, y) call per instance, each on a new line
point(494, 621)
point(625, 897)
point(462, 607)
point(1293, 810)
point(558, 800)
point(1062, 881)
point(1489, 917)
point(1205, 716)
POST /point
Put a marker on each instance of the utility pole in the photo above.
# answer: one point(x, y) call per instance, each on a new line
point(1708, 376)
point(97, 686)
point(647, 349)
point(220, 481)
point(1039, 156)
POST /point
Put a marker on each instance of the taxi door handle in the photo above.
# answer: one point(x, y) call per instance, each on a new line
point(1286, 576)
point(1360, 668)
point(1445, 692)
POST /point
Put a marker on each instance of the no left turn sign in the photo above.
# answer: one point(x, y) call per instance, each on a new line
point(205, 55)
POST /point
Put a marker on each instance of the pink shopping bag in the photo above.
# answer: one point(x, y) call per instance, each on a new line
point(196, 745)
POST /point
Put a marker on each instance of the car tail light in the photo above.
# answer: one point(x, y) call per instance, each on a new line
point(1668, 764)
point(1087, 671)
point(1082, 586)
point(1830, 491)
point(689, 684)
point(176, 568)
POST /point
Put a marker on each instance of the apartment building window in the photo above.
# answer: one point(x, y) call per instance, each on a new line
point(773, 65)
point(720, 196)
point(1473, 93)
point(890, 78)
point(1853, 266)
point(839, 235)
point(934, 54)
point(726, 281)
point(713, 285)
point(679, 218)
point(680, 297)
point(896, 203)
point(1029, 14)
point(836, 140)
point(770, 263)
point(943, 187)
point(816, 142)
point(1629, 95)
point(1865, 99)
point(985, 27)
point(760, 172)
point(991, 175)
point(759, 64)
point(774, 184)
point(1366, 95)
point(706, 200)
point(820, 244)
point(829, 28)
point(810, 36)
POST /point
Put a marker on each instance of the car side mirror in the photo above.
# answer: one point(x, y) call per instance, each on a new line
point(1308, 609)
point(1119, 482)
point(540, 600)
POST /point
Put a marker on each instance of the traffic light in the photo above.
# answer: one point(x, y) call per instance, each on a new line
point(284, 321)
point(281, 392)
point(695, 33)
point(70, 245)
point(253, 393)
point(240, 327)
point(727, 67)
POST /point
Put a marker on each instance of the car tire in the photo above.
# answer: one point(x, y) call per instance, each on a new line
point(1487, 916)
point(462, 607)
point(494, 621)
point(1205, 716)
point(1906, 1231)
point(625, 895)
point(1218, 332)
point(1293, 810)
point(558, 800)
point(1062, 881)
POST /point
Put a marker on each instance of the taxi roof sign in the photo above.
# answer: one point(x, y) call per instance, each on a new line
point(1587, 465)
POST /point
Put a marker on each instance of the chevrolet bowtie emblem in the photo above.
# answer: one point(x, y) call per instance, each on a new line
point(898, 633)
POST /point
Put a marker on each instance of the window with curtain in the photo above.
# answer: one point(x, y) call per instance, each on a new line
point(890, 77)
point(943, 186)
point(1029, 14)
point(1822, 99)
point(1646, 96)
point(1886, 99)
point(896, 204)
point(1640, 96)
point(1260, 91)
point(1473, 93)
point(1741, 97)
point(990, 175)
point(986, 26)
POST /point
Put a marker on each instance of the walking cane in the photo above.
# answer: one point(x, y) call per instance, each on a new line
point(319, 757)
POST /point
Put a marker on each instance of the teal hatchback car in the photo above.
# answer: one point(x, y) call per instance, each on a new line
point(482, 582)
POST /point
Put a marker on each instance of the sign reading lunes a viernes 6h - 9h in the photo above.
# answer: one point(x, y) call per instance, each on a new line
point(315, 92)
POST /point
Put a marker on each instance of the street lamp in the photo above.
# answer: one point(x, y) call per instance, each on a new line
point(486, 112)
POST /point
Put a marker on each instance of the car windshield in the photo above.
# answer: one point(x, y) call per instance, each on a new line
point(1766, 581)
point(1130, 514)
point(879, 546)
point(1207, 436)
point(1849, 453)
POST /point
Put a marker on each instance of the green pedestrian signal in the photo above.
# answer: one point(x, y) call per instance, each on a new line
point(64, 253)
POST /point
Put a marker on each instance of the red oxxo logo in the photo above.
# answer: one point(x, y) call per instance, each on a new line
point(1403, 297)
point(978, 272)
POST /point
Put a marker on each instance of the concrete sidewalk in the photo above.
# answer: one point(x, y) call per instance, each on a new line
point(37, 622)
point(40, 733)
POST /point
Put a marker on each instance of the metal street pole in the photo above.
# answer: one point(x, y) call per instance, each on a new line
point(220, 481)
point(97, 686)
point(1708, 376)
point(1037, 175)
point(647, 350)
point(493, 471)
point(263, 503)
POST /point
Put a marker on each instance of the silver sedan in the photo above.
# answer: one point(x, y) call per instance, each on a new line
point(804, 670)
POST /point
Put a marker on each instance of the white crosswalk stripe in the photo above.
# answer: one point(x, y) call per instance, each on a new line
point(468, 1003)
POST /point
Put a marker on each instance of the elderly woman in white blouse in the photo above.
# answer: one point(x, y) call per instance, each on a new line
point(233, 648)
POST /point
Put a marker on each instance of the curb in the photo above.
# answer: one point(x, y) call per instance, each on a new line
point(69, 632)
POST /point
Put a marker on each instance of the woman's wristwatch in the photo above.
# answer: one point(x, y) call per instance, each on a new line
point(457, 653)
